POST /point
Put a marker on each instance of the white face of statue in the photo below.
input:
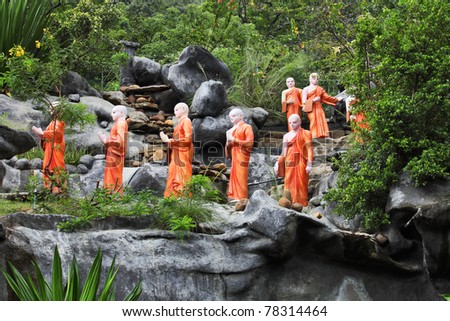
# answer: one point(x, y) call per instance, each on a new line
point(295, 122)
point(179, 111)
point(116, 114)
point(235, 117)
point(290, 82)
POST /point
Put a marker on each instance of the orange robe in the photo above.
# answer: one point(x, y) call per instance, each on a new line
point(181, 151)
point(54, 146)
point(294, 108)
point(240, 156)
point(116, 147)
point(299, 151)
point(317, 121)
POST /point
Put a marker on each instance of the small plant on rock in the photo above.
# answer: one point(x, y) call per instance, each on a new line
point(186, 211)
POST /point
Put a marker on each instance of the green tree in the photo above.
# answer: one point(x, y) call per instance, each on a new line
point(401, 76)
point(30, 77)
point(90, 33)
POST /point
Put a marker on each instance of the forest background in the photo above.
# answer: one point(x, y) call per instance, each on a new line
point(393, 55)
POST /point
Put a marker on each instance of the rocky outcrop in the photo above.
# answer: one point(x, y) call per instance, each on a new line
point(146, 71)
point(74, 83)
point(13, 142)
point(263, 253)
point(209, 99)
point(421, 224)
point(195, 66)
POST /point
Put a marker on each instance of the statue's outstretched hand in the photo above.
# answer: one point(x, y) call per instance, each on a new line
point(164, 137)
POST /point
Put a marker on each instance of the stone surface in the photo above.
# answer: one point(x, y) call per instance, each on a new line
point(209, 99)
point(195, 66)
point(13, 142)
point(263, 253)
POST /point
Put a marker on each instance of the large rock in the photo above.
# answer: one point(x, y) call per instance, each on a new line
point(149, 176)
point(264, 253)
point(114, 97)
point(19, 114)
point(421, 222)
point(195, 66)
point(13, 142)
point(87, 138)
point(210, 99)
point(12, 179)
point(74, 83)
point(166, 100)
point(260, 172)
point(146, 71)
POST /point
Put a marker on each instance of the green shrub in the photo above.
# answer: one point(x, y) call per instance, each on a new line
point(103, 204)
point(186, 211)
point(403, 93)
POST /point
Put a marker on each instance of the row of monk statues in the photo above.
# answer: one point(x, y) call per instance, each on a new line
point(294, 164)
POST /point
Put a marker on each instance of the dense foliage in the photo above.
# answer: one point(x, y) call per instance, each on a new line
point(401, 76)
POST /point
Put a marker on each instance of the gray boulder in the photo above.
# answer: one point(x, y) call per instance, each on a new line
point(74, 83)
point(114, 97)
point(265, 253)
point(146, 71)
point(13, 142)
point(86, 160)
point(149, 176)
point(12, 179)
point(19, 114)
point(22, 164)
point(260, 172)
point(195, 66)
point(420, 223)
point(210, 99)
point(166, 100)
point(209, 133)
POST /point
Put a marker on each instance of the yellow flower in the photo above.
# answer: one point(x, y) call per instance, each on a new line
point(20, 51)
point(17, 51)
point(38, 44)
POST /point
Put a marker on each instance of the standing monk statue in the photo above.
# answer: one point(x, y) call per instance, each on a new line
point(180, 153)
point(116, 148)
point(298, 157)
point(54, 146)
point(317, 122)
point(291, 99)
point(238, 147)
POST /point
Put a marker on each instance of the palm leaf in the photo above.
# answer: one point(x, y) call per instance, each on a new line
point(109, 281)
point(45, 292)
point(57, 278)
point(73, 282)
point(32, 287)
point(23, 22)
point(93, 279)
point(18, 284)
point(135, 293)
